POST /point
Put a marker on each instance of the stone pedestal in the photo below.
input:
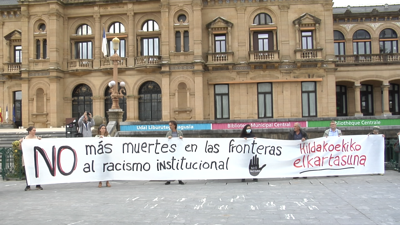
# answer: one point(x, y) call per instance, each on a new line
point(115, 115)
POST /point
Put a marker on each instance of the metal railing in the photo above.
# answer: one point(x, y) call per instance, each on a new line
point(11, 164)
point(370, 58)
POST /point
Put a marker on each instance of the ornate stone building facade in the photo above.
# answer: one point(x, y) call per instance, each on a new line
point(198, 60)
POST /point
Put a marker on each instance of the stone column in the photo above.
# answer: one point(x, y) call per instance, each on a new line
point(197, 31)
point(385, 99)
point(56, 111)
point(198, 95)
point(25, 103)
point(166, 111)
point(242, 46)
point(98, 36)
point(285, 51)
point(131, 40)
point(357, 100)
point(132, 108)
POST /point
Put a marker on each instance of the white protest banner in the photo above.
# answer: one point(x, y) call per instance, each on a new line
point(63, 160)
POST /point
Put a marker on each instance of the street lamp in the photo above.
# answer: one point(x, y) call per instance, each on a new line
point(115, 94)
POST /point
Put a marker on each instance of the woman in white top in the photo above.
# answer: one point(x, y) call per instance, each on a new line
point(31, 135)
point(102, 132)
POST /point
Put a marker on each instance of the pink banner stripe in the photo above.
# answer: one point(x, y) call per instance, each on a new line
point(263, 125)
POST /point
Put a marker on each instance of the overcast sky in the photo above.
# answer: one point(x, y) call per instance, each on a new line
point(341, 3)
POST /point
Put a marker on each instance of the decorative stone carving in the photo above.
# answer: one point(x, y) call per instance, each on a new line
point(347, 26)
point(374, 25)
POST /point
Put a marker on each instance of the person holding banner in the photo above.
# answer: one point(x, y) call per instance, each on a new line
point(333, 131)
point(102, 132)
point(85, 124)
point(247, 133)
point(375, 130)
point(297, 133)
point(31, 135)
point(173, 132)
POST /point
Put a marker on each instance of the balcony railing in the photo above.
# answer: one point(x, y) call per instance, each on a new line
point(148, 60)
point(308, 54)
point(370, 58)
point(107, 62)
point(262, 56)
point(80, 64)
point(12, 67)
point(220, 57)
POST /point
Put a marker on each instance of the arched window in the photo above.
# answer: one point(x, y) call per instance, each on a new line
point(361, 42)
point(150, 25)
point(82, 100)
point(262, 19)
point(84, 29)
point(339, 43)
point(117, 27)
point(84, 49)
point(108, 103)
point(388, 41)
point(150, 102)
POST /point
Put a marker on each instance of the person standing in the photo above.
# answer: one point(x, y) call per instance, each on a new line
point(297, 133)
point(375, 131)
point(247, 133)
point(333, 131)
point(31, 135)
point(102, 132)
point(173, 132)
point(85, 124)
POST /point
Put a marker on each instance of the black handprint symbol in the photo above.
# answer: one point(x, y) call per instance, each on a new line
point(254, 167)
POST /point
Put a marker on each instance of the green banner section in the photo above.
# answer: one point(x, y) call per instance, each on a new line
point(356, 123)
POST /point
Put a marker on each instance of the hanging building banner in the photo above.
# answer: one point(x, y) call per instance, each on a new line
point(356, 123)
point(63, 160)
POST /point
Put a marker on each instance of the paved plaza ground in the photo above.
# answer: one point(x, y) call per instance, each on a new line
point(366, 199)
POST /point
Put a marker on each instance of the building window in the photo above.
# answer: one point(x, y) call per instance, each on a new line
point(309, 99)
point(84, 29)
point(341, 100)
point(150, 46)
point(42, 27)
point(178, 41)
point(17, 109)
point(262, 19)
point(116, 27)
point(18, 54)
point(220, 43)
point(361, 42)
point(83, 50)
point(265, 100)
point(388, 41)
point(307, 40)
point(81, 100)
point(186, 41)
point(182, 18)
point(108, 103)
point(150, 25)
point(45, 49)
point(263, 41)
point(339, 43)
point(221, 101)
point(394, 100)
point(366, 95)
point(150, 102)
point(37, 49)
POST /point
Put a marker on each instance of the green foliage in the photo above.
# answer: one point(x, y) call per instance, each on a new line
point(17, 153)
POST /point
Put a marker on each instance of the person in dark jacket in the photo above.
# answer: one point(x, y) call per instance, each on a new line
point(297, 133)
point(247, 133)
